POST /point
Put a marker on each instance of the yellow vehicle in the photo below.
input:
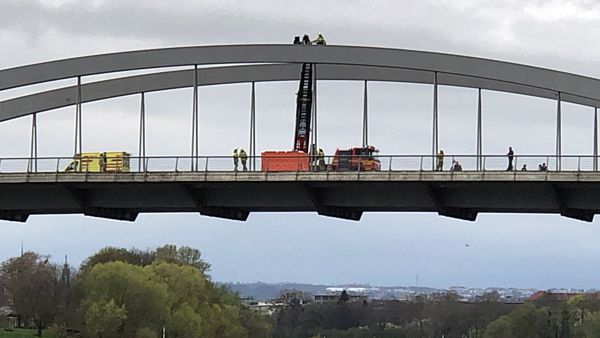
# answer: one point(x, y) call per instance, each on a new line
point(109, 161)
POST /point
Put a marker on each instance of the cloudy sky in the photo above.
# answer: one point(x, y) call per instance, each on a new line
point(539, 251)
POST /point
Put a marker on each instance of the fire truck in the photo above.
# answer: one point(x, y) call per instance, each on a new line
point(356, 159)
point(304, 156)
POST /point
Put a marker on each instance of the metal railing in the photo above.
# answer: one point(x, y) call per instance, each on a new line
point(565, 163)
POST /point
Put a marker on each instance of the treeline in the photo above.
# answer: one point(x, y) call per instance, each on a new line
point(441, 316)
point(125, 293)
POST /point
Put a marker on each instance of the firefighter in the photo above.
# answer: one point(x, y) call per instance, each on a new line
point(102, 161)
point(321, 159)
point(235, 159)
point(320, 40)
point(440, 161)
point(244, 158)
point(306, 40)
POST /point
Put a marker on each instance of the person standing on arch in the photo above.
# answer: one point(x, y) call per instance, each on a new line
point(510, 155)
point(306, 40)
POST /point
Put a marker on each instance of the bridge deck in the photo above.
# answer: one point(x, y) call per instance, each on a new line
point(346, 195)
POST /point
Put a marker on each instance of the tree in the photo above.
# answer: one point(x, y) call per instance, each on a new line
point(170, 295)
point(33, 288)
point(112, 254)
point(344, 297)
point(527, 321)
point(591, 327)
point(168, 253)
point(132, 288)
point(103, 319)
point(183, 256)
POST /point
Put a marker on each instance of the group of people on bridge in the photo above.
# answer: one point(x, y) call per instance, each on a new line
point(240, 156)
point(320, 40)
point(456, 166)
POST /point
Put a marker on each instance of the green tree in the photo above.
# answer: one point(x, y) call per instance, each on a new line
point(590, 328)
point(167, 287)
point(112, 254)
point(183, 256)
point(145, 332)
point(133, 288)
point(527, 321)
point(104, 319)
point(195, 306)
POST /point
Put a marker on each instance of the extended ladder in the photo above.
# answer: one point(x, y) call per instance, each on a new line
point(303, 109)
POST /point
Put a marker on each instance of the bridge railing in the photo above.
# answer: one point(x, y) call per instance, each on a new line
point(564, 163)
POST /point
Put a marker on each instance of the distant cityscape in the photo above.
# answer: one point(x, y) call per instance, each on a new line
point(265, 292)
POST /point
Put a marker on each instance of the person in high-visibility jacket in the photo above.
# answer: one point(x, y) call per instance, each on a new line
point(244, 158)
point(235, 159)
point(320, 40)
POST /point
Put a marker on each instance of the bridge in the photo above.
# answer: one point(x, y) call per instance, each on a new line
point(39, 185)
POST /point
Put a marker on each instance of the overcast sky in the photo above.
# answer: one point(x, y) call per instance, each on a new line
point(539, 251)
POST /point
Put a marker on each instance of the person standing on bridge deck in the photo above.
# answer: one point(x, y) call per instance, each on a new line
point(235, 159)
point(510, 155)
point(321, 156)
point(440, 161)
point(102, 161)
point(244, 158)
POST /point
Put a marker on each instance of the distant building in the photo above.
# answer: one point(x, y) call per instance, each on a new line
point(334, 297)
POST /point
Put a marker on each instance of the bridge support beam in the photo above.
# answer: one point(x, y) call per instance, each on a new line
point(33, 155)
point(352, 214)
point(365, 126)
point(565, 211)
point(595, 139)
point(111, 213)
point(80, 197)
point(252, 148)
point(195, 143)
point(13, 216)
point(197, 195)
point(436, 196)
point(434, 132)
point(78, 139)
point(479, 133)
point(142, 135)
point(558, 132)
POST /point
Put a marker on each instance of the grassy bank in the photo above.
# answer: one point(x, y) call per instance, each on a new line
point(21, 333)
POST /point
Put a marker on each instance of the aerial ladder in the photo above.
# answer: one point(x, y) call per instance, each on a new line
point(299, 158)
point(304, 109)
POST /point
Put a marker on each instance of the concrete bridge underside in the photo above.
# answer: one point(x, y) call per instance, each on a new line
point(345, 195)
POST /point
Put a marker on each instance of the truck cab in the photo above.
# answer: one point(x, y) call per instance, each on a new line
point(356, 159)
